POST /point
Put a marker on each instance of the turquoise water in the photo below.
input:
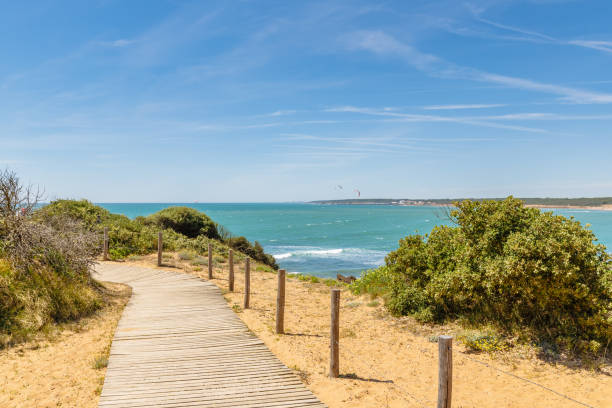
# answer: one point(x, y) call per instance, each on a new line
point(323, 240)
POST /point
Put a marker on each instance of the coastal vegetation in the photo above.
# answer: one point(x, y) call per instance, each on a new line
point(47, 253)
point(184, 229)
point(530, 275)
point(44, 265)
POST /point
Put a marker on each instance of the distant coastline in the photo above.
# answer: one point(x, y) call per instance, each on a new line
point(595, 203)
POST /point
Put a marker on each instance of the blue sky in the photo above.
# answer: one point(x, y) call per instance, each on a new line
point(282, 101)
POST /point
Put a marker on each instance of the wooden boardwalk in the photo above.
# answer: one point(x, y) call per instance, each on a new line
point(178, 344)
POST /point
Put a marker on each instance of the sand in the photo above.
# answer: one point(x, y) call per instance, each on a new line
point(60, 372)
point(391, 362)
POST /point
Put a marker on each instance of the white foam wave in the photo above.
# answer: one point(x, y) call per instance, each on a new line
point(309, 252)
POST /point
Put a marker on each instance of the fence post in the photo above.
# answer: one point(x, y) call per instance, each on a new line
point(247, 282)
point(230, 260)
point(280, 303)
point(160, 246)
point(334, 346)
point(210, 261)
point(445, 374)
point(105, 244)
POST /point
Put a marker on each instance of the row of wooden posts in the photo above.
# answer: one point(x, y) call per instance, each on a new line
point(444, 342)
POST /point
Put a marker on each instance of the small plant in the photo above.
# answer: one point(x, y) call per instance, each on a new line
point(199, 260)
point(100, 362)
point(433, 339)
point(347, 333)
point(314, 279)
point(236, 308)
point(374, 303)
point(185, 256)
point(353, 304)
point(330, 282)
point(486, 342)
point(263, 268)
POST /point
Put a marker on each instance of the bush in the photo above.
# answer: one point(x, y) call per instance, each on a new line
point(519, 269)
point(375, 282)
point(183, 229)
point(184, 220)
point(255, 251)
point(44, 265)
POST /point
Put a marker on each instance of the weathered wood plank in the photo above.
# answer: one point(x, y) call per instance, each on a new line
point(178, 344)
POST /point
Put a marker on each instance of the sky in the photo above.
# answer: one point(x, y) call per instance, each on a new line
point(255, 101)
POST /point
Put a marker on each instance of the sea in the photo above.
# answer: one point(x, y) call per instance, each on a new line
point(324, 240)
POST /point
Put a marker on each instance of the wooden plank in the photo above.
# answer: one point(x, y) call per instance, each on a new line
point(230, 260)
point(160, 246)
point(210, 261)
point(334, 345)
point(105, 245)
point(445, 374)
point(178, 344)
point(280, 303)
point(247, 283)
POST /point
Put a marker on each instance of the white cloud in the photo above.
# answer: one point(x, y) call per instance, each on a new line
point(281, 113)
point(117, 43)
point(409, 117)
point(605, 46)
point(465, 106)
point(383, 44)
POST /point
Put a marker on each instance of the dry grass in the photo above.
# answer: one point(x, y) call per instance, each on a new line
point(392, 362)
point(64, 368)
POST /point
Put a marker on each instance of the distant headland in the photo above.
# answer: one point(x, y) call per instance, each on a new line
point(590, 203)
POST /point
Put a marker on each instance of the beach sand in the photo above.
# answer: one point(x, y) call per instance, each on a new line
point(391, 362)
point(60, 372)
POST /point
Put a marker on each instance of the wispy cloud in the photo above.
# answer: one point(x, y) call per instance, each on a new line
point(534, 36)
point(410, 117)
point(383, 44)
point(117, 43)
point(466, 106)
point(605, 46)
point(281, 113)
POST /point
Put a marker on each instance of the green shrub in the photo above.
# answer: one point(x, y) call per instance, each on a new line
point(518, 269)
point(487, 342)
point(184, 220)
point(199, 260)
point(375, 282)
point(184, 229)
point(255, 251)
point(185, 256)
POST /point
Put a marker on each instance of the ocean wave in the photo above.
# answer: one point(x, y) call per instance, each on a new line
point(322, 252)
point(300, 255)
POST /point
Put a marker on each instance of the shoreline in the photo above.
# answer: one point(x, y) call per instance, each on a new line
point(603, 207)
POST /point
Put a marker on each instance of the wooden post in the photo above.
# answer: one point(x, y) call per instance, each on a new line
point(210, 261)
point(280, 303)
point(247, 282)
point(334, 346)
point(160, 246)
point(230, 260)
point(105, 244)
point(445, 374)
